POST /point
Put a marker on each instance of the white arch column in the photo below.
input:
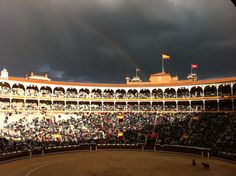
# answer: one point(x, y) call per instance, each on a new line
point(24, 104)
point(218, 105)
point(232, 89)
point(102, 104)
point(10, 99)
point(204, 105)
point(190, 105)
point(232, 94)
point(78, 107)
point(90, 104)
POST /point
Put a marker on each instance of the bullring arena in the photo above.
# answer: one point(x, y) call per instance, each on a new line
point(138, 128)
point(115, 163)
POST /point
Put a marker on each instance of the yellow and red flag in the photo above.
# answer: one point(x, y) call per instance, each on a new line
point(165, 56)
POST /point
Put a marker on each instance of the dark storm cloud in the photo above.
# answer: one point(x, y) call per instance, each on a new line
point(104, 40)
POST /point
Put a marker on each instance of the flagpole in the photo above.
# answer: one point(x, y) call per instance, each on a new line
point(163, 66)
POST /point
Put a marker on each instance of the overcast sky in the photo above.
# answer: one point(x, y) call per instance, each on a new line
point(105, 40)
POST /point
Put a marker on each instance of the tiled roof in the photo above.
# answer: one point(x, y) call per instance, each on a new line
point(144, 84)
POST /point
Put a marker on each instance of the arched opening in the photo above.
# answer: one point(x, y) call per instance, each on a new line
point(132, 106)
point(5, 88)
point(210, 91)
point(84, 93)
point(46, 91)
point(71, 106)
point(120, 106)
point(224, 90)
point(31, 105)
point(18, 90)
point(84, 106)
point(58, 106)
point(108, 106)
point(157, 106)
point(71, 93)
point(96, 93)
point(59, 92)
point(184, 106)
point(170, 106)
point(157, 93)
point(132, 93)
point(17, 104)
point(144, 94)
point(45, 105)
point(96, 106)
point(170, 93)
point(197, 105)
point(145, 106)
point(196, 92)
point(234, 105)
point(108, 94)
point(183, 92)
point(225, 105)
point(120, 93)
point(211, 105)
point(4, 103)
point(234, 89)
point(32, 91)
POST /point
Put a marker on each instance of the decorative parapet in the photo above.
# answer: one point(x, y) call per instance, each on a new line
point(33, 76)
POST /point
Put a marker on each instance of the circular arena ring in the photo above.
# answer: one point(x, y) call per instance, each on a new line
point(116, 162)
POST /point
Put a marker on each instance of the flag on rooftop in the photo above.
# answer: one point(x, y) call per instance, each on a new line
point(194, 65)
point(165, 56)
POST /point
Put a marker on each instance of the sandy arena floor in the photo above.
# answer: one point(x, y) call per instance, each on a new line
point(114, 163)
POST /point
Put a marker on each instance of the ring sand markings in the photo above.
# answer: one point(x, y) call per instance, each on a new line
point(48, 164)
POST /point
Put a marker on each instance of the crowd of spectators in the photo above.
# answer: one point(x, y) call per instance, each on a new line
point(183, 94)
point(5, 105)
point(5, 90)
point(96, 94)
point(20, 105)
point(31, 92)
point(18, 91)
point(31, 106)
point(108, 94)
point(157, 94)
point(45, 93)
point(216, 131)
point(71, 94)
point(83, 94)
point(59, 94)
